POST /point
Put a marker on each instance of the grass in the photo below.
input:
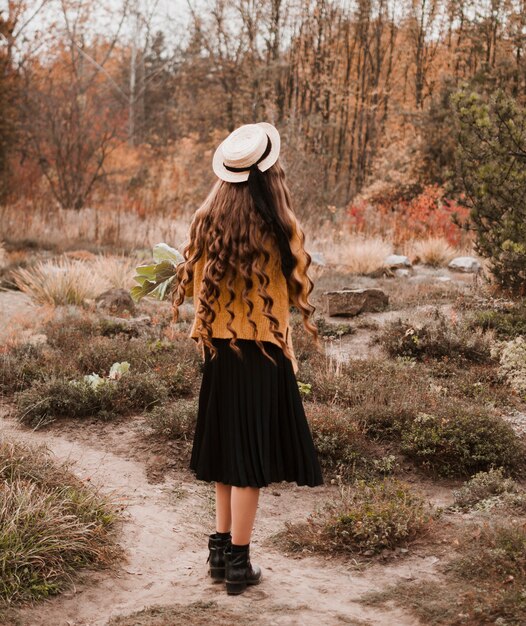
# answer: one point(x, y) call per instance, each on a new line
point(64, 281)
point(360, 255)
point(367, 519)
point(197, 614)
point(51, 525)
point(481, 585)
point(74, 281)
point(435, 251)
point(89, 228)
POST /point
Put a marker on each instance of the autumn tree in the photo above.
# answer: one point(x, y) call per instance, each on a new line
point(72, 111)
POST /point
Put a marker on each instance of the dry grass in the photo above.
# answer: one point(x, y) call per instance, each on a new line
point(65, 281)
point(434, 251)
point(481, 585)
point(73, 281)
point(118, 271)
point(51, 524)
point(360, 255)
point(67, 230)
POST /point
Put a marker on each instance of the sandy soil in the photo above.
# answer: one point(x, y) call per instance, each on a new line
point(164, 535)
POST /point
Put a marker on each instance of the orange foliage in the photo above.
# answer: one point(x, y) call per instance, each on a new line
point(429, 214)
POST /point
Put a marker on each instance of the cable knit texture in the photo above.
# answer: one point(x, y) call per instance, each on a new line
point(277, 289)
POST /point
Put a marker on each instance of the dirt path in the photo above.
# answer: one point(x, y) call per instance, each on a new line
point(164, 536)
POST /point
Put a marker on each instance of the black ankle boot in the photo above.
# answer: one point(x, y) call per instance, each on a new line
point(239, 572)
point(216, 557)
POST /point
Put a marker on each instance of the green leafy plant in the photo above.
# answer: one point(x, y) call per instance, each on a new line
point(155, 280)
point(491, 160)
point(305, 388)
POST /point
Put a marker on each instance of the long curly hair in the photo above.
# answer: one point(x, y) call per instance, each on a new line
point(238, 242)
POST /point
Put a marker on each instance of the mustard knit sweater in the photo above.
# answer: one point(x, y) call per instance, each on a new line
point(277, 289)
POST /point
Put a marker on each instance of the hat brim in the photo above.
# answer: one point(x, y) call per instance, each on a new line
point(239, 177)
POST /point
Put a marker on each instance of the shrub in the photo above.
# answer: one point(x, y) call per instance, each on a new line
point(513, 364)
point(462, 443)
point(304, 345)
point(415, 213)
point(99, 353)
point(46, 400)
point(490, 156)
point(51, 524)
point(440, 339)
point(175, 363)
point(381, 396)
point(368, 518)
point(331, 330)
point(69, 327)
point(507, 324)
point(486, 490)
point(342, 447)
point(21, 366)
point(175, 421)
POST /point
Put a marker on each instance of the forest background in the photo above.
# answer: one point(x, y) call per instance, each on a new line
point(109, 114)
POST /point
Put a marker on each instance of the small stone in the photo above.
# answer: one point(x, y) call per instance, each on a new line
point(396, 261)
point(465, 264)
point(402, 272)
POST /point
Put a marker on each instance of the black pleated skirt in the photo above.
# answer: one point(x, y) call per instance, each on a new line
point(251, 427)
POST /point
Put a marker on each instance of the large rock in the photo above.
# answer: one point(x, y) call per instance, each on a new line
point(397, 261)
point(116, 301)
point(465, 264)
point(350, 302)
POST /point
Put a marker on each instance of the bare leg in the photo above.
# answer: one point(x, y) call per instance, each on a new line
point(223, 514)
point(244, 502)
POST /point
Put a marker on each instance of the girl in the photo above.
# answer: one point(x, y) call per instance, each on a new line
point(245, 264)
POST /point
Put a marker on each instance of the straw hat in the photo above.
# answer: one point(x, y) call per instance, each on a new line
point(247, 146)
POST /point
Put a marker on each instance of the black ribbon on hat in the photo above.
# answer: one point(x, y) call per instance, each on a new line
point(264, 203)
